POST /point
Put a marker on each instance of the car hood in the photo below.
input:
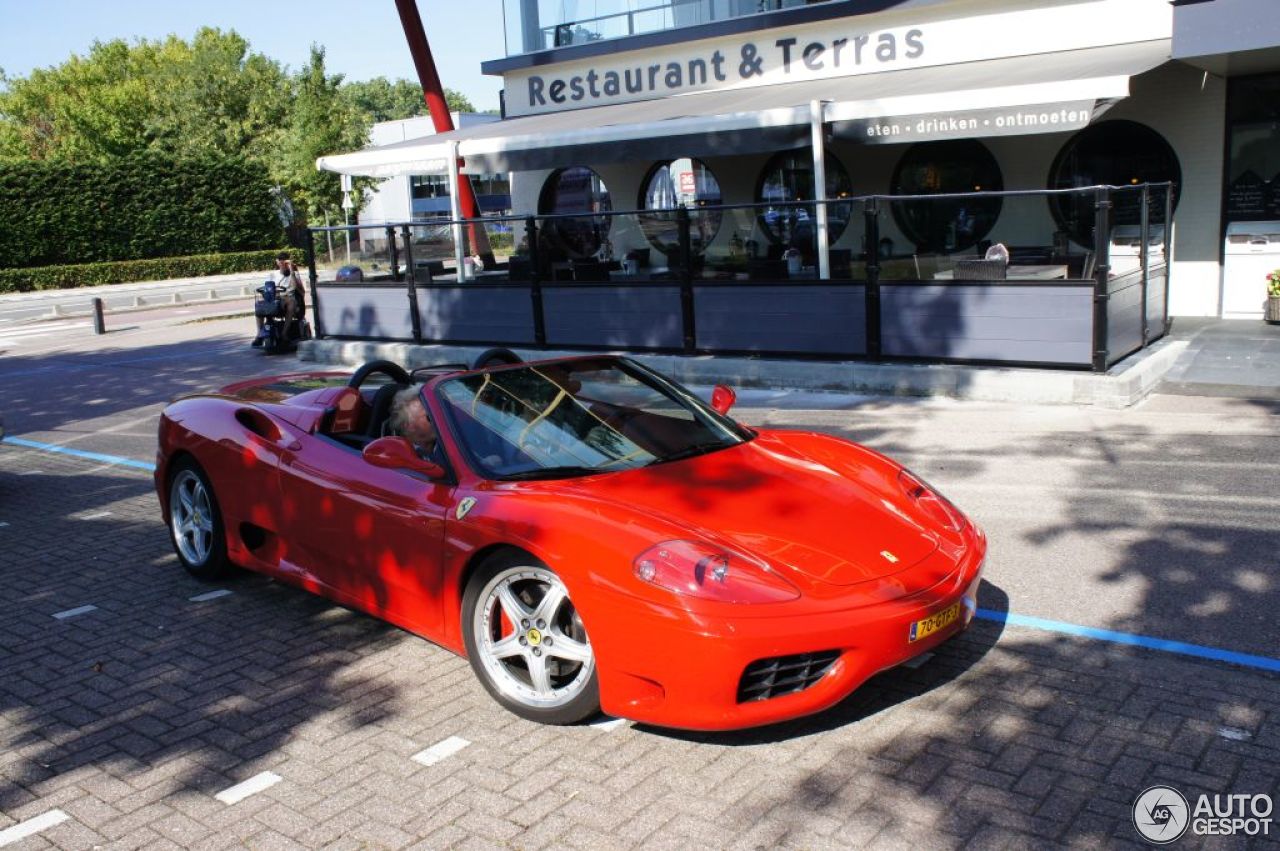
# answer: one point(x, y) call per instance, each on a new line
point(841, 520)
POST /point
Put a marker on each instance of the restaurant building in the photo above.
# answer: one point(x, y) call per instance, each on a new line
point(787, 132)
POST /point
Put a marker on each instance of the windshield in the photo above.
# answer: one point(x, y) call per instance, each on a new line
point(577, 418)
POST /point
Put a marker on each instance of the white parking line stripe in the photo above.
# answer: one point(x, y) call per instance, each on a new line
point(212, 595)
point(608, 724)
point(252, 786)
point(31, 826)
point(71, 613)
point(440, 750)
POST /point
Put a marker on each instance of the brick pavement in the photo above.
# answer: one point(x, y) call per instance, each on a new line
point(131, 717)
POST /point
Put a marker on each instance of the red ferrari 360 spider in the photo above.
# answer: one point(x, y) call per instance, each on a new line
point(588, 533)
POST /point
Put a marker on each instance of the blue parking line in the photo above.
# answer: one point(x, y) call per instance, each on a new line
point(80, 453)
point(1199, 651)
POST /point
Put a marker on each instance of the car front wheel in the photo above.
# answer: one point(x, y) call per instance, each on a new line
point(527, 643)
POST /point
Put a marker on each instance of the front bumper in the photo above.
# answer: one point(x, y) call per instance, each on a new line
point(673, 669)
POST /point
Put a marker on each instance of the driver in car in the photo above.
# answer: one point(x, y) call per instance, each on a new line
point(409, 419)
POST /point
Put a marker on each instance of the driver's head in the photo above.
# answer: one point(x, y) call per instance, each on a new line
point(409, 419)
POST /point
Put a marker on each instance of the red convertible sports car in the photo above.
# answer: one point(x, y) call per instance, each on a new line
point(589, 534)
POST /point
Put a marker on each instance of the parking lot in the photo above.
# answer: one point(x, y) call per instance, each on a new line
point(135, 701)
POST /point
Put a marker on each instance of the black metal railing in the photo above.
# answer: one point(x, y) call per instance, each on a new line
point(686, 280)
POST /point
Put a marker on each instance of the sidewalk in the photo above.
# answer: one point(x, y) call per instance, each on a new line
point(1237, 358)
point(1126, 384)
point(48, 304)
point(1200, 357)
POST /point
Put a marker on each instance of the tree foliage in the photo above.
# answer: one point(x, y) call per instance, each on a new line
point(210, 96)
point(382, 100)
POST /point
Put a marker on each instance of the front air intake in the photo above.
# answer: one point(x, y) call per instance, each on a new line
point(766, 678)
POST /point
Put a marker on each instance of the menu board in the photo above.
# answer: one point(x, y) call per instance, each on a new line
point(1248, 197)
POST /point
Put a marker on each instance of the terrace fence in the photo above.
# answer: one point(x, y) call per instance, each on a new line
point(757, 280)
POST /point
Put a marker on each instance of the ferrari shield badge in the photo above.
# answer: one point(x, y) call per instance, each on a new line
point(465, 505)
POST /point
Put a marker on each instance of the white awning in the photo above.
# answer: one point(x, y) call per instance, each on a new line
point(1015, 95)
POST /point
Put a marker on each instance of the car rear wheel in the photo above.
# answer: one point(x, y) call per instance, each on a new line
point(195, 523)
point(527, 643)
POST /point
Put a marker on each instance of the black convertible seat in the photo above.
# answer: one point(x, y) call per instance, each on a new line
point(380, 410)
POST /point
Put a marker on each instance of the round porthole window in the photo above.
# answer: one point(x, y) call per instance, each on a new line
point(684, 182)
point(1113, 153)
point(575, 190)
point(949, 225)
point(788, 177)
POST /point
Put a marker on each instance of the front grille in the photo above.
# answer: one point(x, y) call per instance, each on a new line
point(766, 678)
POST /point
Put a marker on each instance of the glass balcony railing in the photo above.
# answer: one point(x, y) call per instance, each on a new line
point(533, 25)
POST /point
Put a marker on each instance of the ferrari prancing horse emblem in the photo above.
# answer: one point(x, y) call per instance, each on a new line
point(464, 506)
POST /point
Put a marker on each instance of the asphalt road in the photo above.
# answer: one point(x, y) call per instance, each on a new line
point(1159, 521)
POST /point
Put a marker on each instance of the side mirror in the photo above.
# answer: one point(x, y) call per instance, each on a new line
point(722, 398)
point(396, 453)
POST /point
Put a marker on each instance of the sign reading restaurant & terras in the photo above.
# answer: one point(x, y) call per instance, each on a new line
point(840, 47)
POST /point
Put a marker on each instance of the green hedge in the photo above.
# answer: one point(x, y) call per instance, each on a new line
point(141, 206)
point(127, 271)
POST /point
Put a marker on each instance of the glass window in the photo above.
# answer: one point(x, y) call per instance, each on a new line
point(578, 417)
point(950, 225)
point(684, 183)
point(788, 177)
point(575, 190)
point(533, 25)
point(1113, 153)
point(1253, 166)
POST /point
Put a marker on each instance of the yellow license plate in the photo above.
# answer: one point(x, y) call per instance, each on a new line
point(939, 620)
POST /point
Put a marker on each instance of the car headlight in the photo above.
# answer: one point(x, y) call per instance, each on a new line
point(932, 503)
point(701, 570)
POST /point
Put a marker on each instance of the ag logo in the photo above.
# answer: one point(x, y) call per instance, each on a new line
point(1161, 815)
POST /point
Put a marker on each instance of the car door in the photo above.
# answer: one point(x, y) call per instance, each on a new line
point(371, 537)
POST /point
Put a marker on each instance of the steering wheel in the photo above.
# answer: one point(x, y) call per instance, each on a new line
point(392, 370)
point(495, 357)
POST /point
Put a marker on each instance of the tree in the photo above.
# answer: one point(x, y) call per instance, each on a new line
point(382, 100)
point(323, 121)
point(209, 96)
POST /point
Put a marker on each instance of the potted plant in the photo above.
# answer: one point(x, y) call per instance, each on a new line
point(1273, 298)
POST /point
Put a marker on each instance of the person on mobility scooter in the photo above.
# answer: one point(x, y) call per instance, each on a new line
point(279, 309)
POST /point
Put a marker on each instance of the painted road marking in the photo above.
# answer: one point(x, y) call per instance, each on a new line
point(71, 613)
point(80, 453)
point(1265, 663)
point(31, 826)
point(252, 786)
point(440, 750)
point(97, 515)
point(3, 524)
point(212, 595)
point(608, 724)
point(1199, 651)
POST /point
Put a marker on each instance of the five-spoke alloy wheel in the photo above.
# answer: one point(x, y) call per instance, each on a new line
point(527, 643)
point(195, 524)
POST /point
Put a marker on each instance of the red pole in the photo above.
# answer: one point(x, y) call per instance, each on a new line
point(433, 93)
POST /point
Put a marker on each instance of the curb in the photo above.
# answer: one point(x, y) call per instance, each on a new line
point(1126, 385)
